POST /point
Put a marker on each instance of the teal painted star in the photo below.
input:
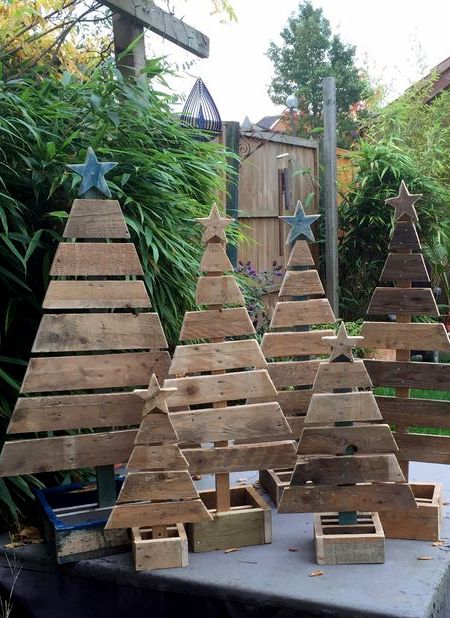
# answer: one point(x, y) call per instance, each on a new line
point(92, 172)
point(301, 224)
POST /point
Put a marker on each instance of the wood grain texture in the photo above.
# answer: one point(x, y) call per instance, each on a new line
point(405, 267)
point(409, 374)
point(95, 259)
point(157, 486)
point(67, 373)
point(224, 387)
point(282, 345)
point(65, 452)
point(293, 373)
point(156, 458)
point(241, 457)
point(155, 428)
point(415, 412)
point(251, 421)
point(96, 219)
point(410, 301)
point(77, 332)
point(341, 375)
point(215, 259)
point(338, 407)
point(157, 513)
point(96, 295)
point(217, 357)
point(301, 283)
point(302, 313)
point(404, 237)
point(221, 290)
point(216, 323)
point(398, 336)
point(292, 403)
point(300, 255)
point(423, 447)
point(367, 439)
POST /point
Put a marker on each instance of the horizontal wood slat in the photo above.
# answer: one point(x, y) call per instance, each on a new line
point(221, 290)
point(67, 373)
point(405, 267)
point(423, 447)
point(157, 457)
point(292, 403)
point(368, 439)
point(405, 237)
point(293, 373)
point(96, 219)
point(222, 323)
point(299, 283)
point(409, 301)
point(96, 295)
point(157, 513)
point(409, 375)
point(296, 423)
point(300, 255)
point(302, 313)
point(157, 486)
point(215, 259)
point(398, 336)
point(338, 407)
point(217, 356)
point(341, 375)
point(155, 428)
point(415, 412)
point(282, 345)
point(95, 259)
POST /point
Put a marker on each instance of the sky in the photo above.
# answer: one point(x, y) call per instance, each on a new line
point(398, 41)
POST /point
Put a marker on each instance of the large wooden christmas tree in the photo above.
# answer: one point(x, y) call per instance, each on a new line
point(301, 304)
point(405, 269)
point(214, 380)
point(347, 467)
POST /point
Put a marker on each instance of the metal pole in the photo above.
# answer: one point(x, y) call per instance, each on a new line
point(232, 136)
point(329, 191)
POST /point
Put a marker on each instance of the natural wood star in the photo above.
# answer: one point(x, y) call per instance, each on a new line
point(342, 344)
point(404, 203)
point(214, 225)
point(155, 396)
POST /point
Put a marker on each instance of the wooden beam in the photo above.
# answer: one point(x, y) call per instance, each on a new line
point(281, 345)
point(222, 322)
point(160, 513)
point(343, 407)
point(367, 439)
point(433, 413)
point(217, 356)
point(405, 237)
point(405, 267)
point(398, 336)
point(301, 283)
point(302, 313)
point(95, 259)
point(293, 373)
point(220, 290)
point(409, 375)
point(300, 255)
point(409, 301)
point(96, 219)
point(423, 447)
point(161, 485)
point(341, 375)
point(96, 295)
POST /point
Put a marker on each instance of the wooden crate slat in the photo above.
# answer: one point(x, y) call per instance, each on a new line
point(405, 267)
point(65, 452)
point(240, 457)
point(96, 219)
point(222, 323)
point(405, 237)
point(154, 458)
point(423, 447)
point(341, 375)
point(338, 407)
point(293, 373)
point(400, 301)
point(157, 513)
point(415, 412)
point(156, 427)
point(220, 290)
point(400, 336)
point(292, 403)
point(215, 259)
point(409, 374)
point(217, 356)
point(95, 259)
point(300, 255)
point(302, 313)
point(161, 485)
point(96, 295)
point(72, 332)
point(281, 345)
point(299, 283)
point(368, 439)
point(67, 373)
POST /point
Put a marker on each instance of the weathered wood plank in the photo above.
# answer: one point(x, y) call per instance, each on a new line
point(217, 357)
point(338, 407)
point(96, 259)
point(367, 439)
point(296, 423)
point(157, 513)
point(221, 323)
point(302, 313)
point(157, 486)
point(282, 345)
point(409, 374)
point(67, 373)
point(221, 290)
point(215, 259)
point(96, 295)
point(157, 457)
point(65, 452)
point(398, 336)
point(241, 457)
point(293, 373)
point(423, 447)
point(341, 375)
point(77, 332)
point(224, 387)
point(301, 283)
point(404, 237)
point(410, 301)
point(156, 427)
point(300, 255)
point(415, 412)
point(251, 421)
point(292, 403)
point(96, 219)
point(405, 267)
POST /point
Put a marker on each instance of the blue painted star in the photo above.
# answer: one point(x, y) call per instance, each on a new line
point(92, 172)
point(301, 224)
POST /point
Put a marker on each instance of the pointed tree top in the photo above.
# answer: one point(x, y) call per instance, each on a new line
point(214, 225)
point(92, 172)
point(301, 224)
point(342, 344)
point(155, 396)
point(404, 203)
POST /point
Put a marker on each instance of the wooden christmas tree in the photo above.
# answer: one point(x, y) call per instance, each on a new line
point(405, 268)
point(301, 304)
point(347, 463)
point(158, 492)
point(214, 380)
point(97, 334)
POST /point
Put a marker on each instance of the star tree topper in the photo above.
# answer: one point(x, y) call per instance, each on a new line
point(155, 396)
point(342, 344)
point(301, 224)
point(404, 203)
point(214, 225)
point(92, 172)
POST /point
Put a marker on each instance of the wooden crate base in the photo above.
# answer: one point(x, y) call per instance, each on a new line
point(274, 482)
point(159, 553)
point(249, 522)
point(423, 524)
point(361, 543)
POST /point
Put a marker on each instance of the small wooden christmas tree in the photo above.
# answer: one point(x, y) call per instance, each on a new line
point(405, 268)
point(346, 464)
point(301, 304)
point(158, 492)
point(218, 414)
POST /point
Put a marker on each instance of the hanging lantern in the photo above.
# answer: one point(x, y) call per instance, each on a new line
point(200, 111)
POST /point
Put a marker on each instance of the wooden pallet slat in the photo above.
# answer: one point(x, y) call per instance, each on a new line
point(293, 373)
point(96, 219)
point(217, 356)
point(161, 485)
point(95, 259)
point(341, 375)
point(300, 255)
point(398, 336)
point(300, 283)
point(343, 407)
point(131, 515)
point(156, 428)
point(401, 301)
point(405, 267)
point(367, 439)
point(282, 345)
point(220, 290)
point(215, 259)
point(96, 295)
point(405, 237)
point(302, 313)
point(233, 322)
point(156, 457)
point(423, 447)
point(409, 374)
point(415, 412)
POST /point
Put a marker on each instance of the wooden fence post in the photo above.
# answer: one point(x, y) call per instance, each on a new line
point(232, 136)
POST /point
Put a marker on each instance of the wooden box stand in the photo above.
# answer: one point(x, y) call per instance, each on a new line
point(274, 482)
point(423, 524)
point(360, 543)
point(160, 553)
point(249, 522)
